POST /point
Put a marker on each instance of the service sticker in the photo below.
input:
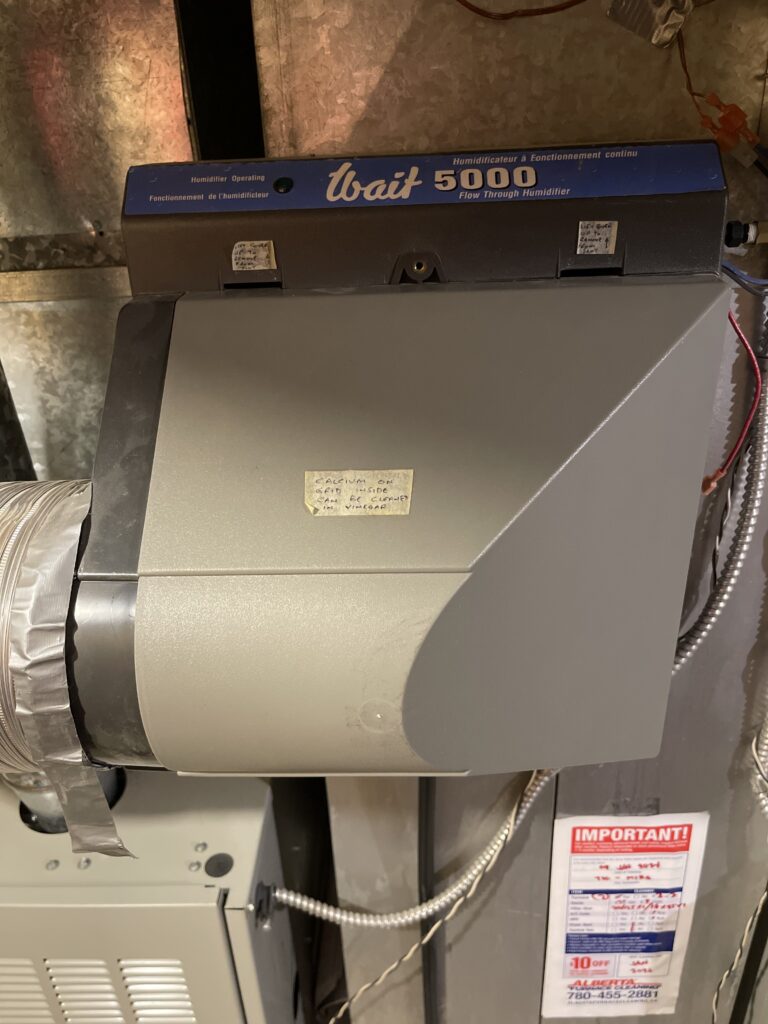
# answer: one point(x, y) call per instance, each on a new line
point(622, 896)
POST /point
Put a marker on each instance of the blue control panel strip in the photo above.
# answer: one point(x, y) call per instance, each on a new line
point(341, 183)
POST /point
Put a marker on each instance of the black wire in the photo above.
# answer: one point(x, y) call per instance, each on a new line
point(758, 982)
point(520, 12)
point(763, 168)
point(750, 974)
point(429, 952)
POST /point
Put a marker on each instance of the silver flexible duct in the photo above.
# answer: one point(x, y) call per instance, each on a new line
point(21, 507)
point(40, 529)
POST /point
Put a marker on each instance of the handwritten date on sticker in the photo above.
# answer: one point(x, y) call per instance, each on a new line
point(597, 237)
point(358, 492)
point(254, 255)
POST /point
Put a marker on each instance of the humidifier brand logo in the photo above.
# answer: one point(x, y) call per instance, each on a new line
point(344, 185)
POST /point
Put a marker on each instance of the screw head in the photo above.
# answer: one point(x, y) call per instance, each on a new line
point(194, 865)
point(52, 865)
point(201, 847)
point(84, 863)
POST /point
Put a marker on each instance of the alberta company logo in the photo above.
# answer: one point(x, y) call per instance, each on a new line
point(344, 185)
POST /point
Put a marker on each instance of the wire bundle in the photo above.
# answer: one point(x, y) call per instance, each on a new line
point(754, 489)
point(710, 482)
point(449, 901)
point(479, 867)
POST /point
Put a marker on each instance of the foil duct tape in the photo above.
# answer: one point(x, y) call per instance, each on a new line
point(656, 20)
point(40, 524)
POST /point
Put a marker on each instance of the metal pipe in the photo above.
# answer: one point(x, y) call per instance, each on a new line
point(35, 792)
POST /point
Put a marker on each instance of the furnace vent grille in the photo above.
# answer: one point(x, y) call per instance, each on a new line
point(86, 994)
point(21, 994)
point(85, 991)
point(158, 991)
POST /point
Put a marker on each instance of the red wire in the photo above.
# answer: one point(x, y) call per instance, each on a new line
point(695, 96)
point(710, 482)
point(525, 12)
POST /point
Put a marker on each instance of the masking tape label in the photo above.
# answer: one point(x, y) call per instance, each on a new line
point(358, 492)
point(622, 898)
point(254, 255)
point(597, 237)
